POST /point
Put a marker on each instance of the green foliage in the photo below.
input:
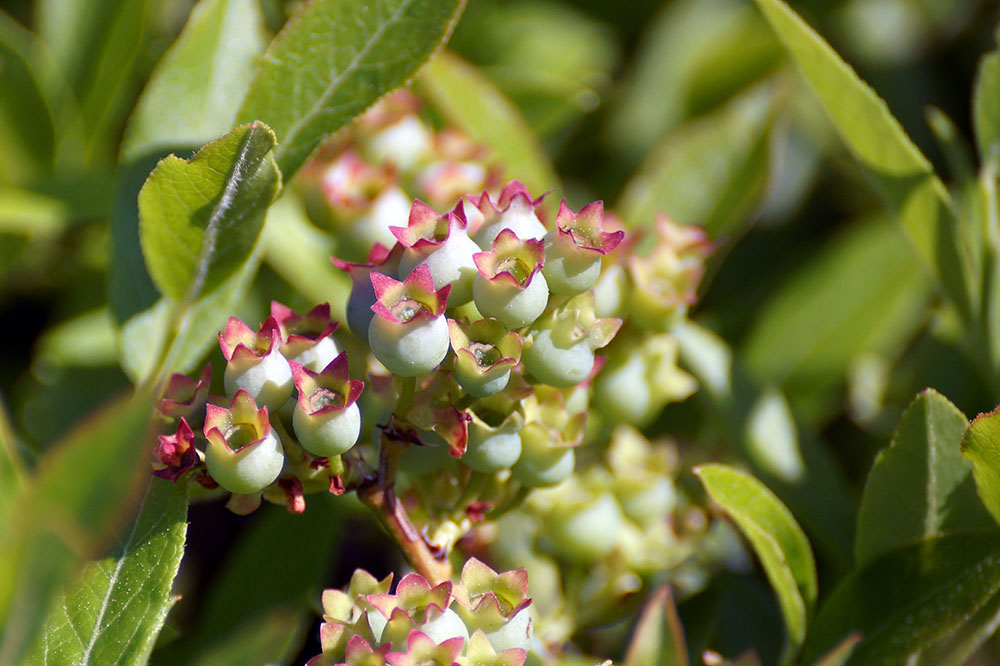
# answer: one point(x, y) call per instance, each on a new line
point(986, 106)
point(919, 487)
point(909, 599)
point(71, 506)
point(711, 171)
point(777, 539)
point(904, 177)
point(115, 607)
point(334, 59)
point(209, 67)
point(982, 447)
point(199, 219)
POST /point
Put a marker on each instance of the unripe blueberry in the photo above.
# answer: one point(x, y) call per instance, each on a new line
point(442, 244)
point(409, 333)
point(306, 339)
point(509, 285)
point(589, 531)
point(445, 626)
point(326, 418)
point(409, 349)
point(359, 304)
point(492, 448)
point(555, 364)
point(573, 250)
point(255, 363)
point(515, 210)
point(243, 454)
point(542, 463)
point(515, 634)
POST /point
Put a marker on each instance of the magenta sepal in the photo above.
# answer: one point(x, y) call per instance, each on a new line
point(413, 297)
point(176, 452)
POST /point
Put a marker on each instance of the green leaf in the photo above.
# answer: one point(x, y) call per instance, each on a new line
point(901, 174)
point(81, 491)
point(468, 100)
point(920, 486)
point(95, 43)
point(863, 292)
point(986, 105)
point(271, 613)
point(982, 447)
point(956, 649)
point(712, 171)
point(908, 599)
point(776, 538)
point(691, 46)
point(115, 607)
point(210, 67)
point(27, 138)
point(333, 59)
point(199, 219)
point(143, 338)
point(659, 638)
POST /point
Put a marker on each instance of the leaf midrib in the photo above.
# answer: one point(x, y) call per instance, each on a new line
point(112, 581)
point(316, 108)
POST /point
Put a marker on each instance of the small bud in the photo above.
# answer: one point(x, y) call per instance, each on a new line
point(243, 455)
point(186, 398)
point(176, 452)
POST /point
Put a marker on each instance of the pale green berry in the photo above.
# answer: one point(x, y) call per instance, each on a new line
point(587, 532)
point(514, 634)
point(269, 381)
point(569, 269)
point(409, 349)
point(445, 626)
point(555, 364)
point(491, 449)
point(541, 463)
point(327, 434)
point(247, 470)
point(449, 263)
point(505, 302)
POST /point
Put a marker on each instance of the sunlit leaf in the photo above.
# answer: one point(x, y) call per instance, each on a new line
point(209, 67)
point(777, 539)
point(909, 598)
point(333, 59)
point(27, 139)
point(902, 175)
point(982, 447)
point(469, 101)
point(986, 105)
point(920, 486)
point(199, 219)
point(863, 292)
point(114, 608)
point(81, 491)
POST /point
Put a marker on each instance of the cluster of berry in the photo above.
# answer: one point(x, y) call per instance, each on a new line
point(482, 620)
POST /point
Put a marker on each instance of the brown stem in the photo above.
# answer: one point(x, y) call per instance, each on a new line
point(379, 496)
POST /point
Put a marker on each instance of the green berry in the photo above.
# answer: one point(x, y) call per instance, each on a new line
point(409, 349)
point(327, 434)
point(555, 364)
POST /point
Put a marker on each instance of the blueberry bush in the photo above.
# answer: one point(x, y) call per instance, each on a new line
point(480, 333)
